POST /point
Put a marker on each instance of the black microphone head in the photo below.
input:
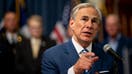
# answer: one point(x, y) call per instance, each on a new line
point(106, 47)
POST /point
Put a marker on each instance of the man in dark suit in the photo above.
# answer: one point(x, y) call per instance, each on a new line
point(9, 37)
point(79, 55)
point(29, 52)
point(116, 40)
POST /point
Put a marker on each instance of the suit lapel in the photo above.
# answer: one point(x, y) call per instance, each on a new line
point(97, 65)
point(71, 52)
point(29, 48)
point(41, 50)
point(95, 49)
point(5, 38)
point(121, 45)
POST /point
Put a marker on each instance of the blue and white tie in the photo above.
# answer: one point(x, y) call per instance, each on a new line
point(82, 52)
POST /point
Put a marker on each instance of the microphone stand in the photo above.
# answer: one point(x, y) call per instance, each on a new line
point(115, 66)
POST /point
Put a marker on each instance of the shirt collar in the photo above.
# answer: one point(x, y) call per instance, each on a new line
point(11, 36)
point(79, 48)
point(34, 40)
point(117, 37)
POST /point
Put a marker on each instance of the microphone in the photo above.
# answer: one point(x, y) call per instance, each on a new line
point(107, 48)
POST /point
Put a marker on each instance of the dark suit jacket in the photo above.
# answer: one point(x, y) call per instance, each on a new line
point(123, 42)
point(7, 54)
point(25, 63)
point(58, 59)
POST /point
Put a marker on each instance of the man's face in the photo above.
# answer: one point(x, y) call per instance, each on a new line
point(112, 26)
point(10, 22)
point(85, 25)
point(35, 29)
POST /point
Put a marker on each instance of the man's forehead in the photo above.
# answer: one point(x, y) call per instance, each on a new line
point(87, 16)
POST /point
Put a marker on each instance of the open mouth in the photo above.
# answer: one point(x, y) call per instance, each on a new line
point(88, 33)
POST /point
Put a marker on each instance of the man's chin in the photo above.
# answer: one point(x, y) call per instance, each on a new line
point(87, 40)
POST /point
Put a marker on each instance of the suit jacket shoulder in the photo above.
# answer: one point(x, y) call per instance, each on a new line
point(58, 59)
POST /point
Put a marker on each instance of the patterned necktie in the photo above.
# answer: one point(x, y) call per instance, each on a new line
point(82, 52)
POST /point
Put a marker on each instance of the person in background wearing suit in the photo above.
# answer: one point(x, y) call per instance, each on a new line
point(115, 39)
point(79, 55)
point(30, 50)
point(9, 37)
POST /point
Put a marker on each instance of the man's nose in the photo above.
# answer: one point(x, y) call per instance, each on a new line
point(89, 24)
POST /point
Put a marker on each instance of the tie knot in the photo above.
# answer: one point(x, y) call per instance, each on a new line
point(84, 51)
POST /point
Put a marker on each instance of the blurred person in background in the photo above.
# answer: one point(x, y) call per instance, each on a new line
point(29, 55)
point(9, 37)
point(115, 39)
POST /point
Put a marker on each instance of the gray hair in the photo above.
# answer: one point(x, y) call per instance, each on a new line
point(84, 5)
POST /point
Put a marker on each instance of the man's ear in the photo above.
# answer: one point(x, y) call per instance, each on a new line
point(71, 23)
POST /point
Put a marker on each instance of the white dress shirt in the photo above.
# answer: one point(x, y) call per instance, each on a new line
point(11, 37)
point(78, 48)
point(114, 42)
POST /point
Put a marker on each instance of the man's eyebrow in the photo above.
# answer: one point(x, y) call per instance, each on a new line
point(85, 16)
